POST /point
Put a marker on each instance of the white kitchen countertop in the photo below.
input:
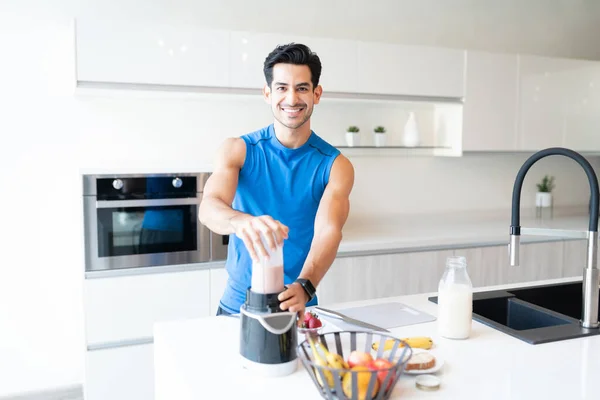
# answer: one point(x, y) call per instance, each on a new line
point(198, 358)
point(443, 231)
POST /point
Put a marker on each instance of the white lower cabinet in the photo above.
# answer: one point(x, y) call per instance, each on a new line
point(488, 266)
point(126, 307)
point(575, 257)
point(218, 282)
point(120, 313)
point(121, 373)
point(376, 276)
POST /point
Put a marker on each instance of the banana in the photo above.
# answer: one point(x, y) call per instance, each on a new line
point(335, 360)
point(419, 342)
point(321, 363)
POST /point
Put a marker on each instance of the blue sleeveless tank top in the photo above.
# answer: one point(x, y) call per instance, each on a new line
point(286, 184)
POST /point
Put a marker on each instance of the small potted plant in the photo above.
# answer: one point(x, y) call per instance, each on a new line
point(352, 136)
point(379, 134)
point(543, 197)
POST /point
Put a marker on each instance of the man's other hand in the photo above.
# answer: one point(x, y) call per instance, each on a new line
point(294, 299)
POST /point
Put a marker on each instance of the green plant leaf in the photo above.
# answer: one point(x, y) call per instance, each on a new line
point(546, 185)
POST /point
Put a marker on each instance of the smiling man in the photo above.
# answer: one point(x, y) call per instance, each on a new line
point(283, 181)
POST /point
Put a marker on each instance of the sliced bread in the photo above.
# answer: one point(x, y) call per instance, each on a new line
point(420, 361)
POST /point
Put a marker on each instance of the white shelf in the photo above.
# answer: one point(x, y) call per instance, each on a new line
point(395, 151)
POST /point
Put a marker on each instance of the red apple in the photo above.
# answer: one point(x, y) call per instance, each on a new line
point(359, 358)
point(384, 367)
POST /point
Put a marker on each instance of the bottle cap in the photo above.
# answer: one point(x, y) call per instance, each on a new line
point(428, 382)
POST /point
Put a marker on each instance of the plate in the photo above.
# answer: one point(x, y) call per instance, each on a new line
point(439, 363)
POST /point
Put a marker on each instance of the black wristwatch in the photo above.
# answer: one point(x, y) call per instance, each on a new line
point(308, 287)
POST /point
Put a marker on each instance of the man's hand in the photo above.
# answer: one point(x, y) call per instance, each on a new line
point(248, 228)
point(294, 299)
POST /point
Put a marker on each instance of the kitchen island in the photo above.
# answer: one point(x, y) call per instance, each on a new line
point(198, 358)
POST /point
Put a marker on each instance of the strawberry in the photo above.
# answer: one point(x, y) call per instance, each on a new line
point(314, 323)
point(308, 316)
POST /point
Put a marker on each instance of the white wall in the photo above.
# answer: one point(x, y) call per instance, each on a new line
point(547, 27)
point(53, 134)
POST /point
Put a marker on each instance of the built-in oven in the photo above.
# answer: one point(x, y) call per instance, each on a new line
point(134, 221)
point(218, 246)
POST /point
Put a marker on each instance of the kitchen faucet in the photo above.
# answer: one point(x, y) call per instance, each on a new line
point(591, 273)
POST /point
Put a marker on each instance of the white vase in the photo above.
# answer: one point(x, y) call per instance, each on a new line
point(352, 139)
point(411, 132)
point(379, 139)
point(543, 199)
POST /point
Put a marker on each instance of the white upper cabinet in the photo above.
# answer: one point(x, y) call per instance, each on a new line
point(582, 107)
point(159, 53)
point(490, 106)
point(410, 70)
point(559, 103)
point(339, 64)
point(541, 102)
point(249, 50)
point(151, 53)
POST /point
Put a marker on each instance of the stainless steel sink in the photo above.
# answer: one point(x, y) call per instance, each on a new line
point(536, 315)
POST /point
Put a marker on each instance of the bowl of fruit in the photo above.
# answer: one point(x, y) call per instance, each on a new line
point(311, 324)
point(354, 365)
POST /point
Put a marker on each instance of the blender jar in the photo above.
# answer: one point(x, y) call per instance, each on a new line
point(267, 273)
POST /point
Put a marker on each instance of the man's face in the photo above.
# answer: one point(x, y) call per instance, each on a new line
point(291, 95)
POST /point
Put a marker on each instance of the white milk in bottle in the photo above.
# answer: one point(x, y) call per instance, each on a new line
point(455, 300)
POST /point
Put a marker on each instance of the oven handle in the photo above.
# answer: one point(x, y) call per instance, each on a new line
point(146, 203)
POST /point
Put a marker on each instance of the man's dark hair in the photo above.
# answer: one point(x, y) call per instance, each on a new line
point(293, 53)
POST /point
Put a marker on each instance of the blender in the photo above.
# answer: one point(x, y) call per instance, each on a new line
point(268, 335)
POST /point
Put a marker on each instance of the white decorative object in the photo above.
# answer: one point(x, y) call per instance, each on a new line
point(379, 136)
point(379, 139)
point(353, 136)
point(411, 132)
point(543, 199)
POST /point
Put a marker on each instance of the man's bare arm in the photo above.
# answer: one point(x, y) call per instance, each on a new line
point(215, 209)
point(330, 219)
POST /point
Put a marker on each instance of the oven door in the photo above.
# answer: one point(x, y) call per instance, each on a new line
point(144, 233)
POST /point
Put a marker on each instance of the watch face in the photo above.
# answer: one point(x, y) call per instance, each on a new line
point(308, 287)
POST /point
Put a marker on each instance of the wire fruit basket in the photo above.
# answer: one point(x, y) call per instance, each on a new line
point(331, 361)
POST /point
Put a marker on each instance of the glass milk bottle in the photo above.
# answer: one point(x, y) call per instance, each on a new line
point(455, 300)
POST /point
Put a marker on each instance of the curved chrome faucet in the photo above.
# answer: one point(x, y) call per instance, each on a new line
point(591, 273)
